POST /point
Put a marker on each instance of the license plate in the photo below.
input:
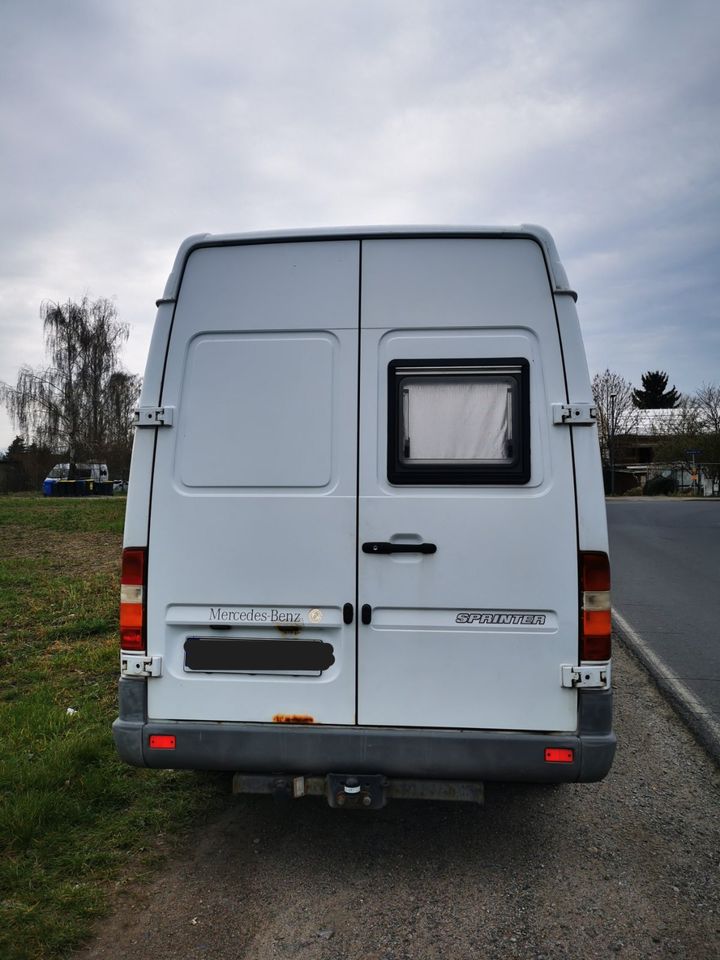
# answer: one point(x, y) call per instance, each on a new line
point(212, 655)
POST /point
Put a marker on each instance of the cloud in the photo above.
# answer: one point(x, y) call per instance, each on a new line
point(129, 125)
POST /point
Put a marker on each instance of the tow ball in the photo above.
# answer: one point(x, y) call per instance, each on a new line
point(356, 792)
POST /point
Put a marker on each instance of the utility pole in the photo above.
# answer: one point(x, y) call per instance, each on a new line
point(612, 444)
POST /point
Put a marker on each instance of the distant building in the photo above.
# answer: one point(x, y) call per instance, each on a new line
point(640, 452)
point(645, 436)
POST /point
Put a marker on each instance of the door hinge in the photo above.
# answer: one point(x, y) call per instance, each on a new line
point(574, 414)
point(140, 665)
point(153, 417)
point(595, 677)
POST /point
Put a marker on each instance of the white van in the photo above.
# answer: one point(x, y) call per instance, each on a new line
point(365, 546)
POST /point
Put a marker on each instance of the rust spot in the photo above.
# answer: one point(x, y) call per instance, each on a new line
point(289, 631)
point(293, 718)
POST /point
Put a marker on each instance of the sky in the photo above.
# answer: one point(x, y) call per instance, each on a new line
point(126, 126)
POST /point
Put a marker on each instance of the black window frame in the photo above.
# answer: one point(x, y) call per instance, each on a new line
point(400, 472)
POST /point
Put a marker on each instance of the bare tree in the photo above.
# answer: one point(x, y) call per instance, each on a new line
point(707, 404)
point(617, 413)
point(79, 402)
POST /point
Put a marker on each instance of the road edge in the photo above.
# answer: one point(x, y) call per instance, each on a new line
point(702, 724)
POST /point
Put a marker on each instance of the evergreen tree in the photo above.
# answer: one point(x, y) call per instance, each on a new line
point(654, 394)
point(17, 448)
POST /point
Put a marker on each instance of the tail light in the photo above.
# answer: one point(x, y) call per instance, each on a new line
point(595, 626)
point(132, 599)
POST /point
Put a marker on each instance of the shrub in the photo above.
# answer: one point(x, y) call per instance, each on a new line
point(657, 486)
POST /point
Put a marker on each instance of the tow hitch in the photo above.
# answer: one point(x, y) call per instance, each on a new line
point(347, 791)
point(359, 791)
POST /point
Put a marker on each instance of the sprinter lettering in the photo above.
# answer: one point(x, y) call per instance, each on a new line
point(503, 619)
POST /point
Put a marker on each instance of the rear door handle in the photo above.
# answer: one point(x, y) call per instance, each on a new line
point(385, 546)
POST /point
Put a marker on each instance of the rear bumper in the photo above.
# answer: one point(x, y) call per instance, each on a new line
point(395, 752)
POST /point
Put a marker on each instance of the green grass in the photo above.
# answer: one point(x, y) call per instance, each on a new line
point(75, 822)
point(89, 515)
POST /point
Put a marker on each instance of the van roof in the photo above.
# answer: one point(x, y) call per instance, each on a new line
point(558, 277)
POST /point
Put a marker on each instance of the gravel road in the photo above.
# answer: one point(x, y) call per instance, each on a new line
point(626, 868)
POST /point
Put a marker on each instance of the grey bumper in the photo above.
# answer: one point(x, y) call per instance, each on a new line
point(395, 752)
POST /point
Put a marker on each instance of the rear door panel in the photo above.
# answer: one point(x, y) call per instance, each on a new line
point(473, 635)
point(254, 537)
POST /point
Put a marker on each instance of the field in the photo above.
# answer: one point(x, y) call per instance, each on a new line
point(74, 822)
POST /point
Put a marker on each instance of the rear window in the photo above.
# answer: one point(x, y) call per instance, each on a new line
point(458, 421)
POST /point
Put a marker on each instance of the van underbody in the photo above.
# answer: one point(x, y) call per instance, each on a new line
point(365, 543)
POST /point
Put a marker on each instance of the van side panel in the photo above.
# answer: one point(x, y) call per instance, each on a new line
point(592, 523)
point(137, 513)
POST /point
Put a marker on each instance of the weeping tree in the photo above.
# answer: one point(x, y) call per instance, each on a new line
point(81, 402)
point(121, 397)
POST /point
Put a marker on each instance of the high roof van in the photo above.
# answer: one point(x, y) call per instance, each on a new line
point(365, 545)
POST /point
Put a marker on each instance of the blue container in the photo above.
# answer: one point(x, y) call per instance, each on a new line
point(49, 488)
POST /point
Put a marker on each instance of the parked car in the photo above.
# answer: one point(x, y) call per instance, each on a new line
point(77, 479)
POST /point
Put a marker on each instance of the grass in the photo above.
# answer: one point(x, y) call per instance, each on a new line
point(87, 515)
point(75, 822)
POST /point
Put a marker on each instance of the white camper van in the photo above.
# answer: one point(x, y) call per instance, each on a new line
point(365, 546)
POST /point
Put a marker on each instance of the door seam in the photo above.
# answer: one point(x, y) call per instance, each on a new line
point(357, 491)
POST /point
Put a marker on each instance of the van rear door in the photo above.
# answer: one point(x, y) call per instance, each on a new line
point(463, 539)
point(253, 511)
point(467, 533)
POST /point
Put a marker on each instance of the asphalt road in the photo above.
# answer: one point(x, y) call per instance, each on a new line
point(665, 559)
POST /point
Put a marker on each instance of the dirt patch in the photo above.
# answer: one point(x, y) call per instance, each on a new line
point(625, 868)
point(62, 553)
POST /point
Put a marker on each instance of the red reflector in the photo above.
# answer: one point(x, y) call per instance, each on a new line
point(159, 741)
point(559, 755)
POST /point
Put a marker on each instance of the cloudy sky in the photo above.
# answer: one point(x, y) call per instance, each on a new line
point(125, 126)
